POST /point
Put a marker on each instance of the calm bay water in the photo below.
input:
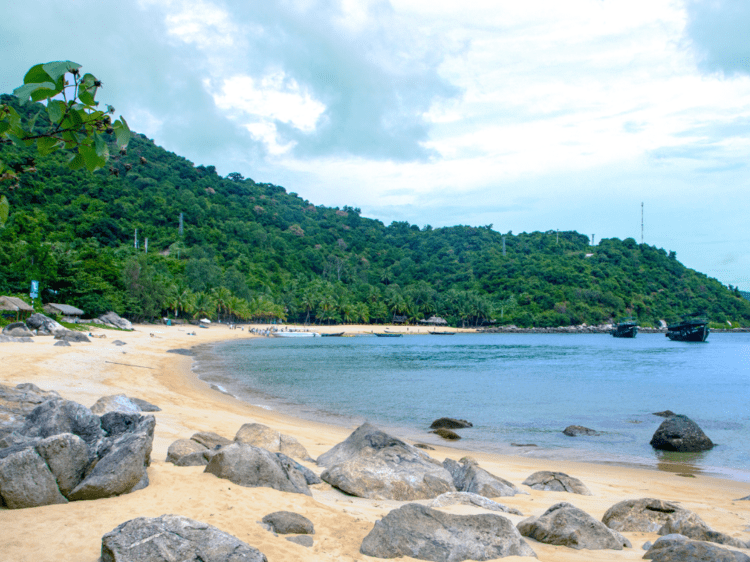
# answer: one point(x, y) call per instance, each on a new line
point(517, 389)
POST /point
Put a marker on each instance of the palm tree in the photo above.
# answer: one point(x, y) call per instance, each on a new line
point(204, 306)
point(221, 296)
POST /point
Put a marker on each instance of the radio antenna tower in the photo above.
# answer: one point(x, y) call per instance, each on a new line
point(641, 222)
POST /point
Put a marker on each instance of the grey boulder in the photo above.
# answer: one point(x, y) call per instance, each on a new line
point(373, 464)
point(677, 548)
point(252, 467)
point(450, 423)
point(467, 498)
point(209, 439)
point(680, 433)
point(64, 416)
point(428, 534)
point(576, 430)
point(67, 457)
point(690, 525)
point(44, 325)
point(170, 538)
point(645, 515)
point(556, 482)
point(262, 436)
point(17, 330)
point(565, 525)
point(16, 402)
point(26, 481)
point(289, 523)
point(143, 405)
point(71, 336)
point(468, 477)
point(115, 403)
point(114, 320)
point(183, 448)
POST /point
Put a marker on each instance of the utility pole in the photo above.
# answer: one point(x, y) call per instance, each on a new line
point(135, 244)
point(592, 239)
point(146, 246)
point(641, 222)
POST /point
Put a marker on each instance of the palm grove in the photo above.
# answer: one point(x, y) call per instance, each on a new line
point(232, 249)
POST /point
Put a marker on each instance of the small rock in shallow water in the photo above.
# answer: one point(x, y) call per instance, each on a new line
point(447, 434)
point(576, 430)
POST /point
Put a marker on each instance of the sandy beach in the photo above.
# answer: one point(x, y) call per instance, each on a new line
point(143, 368)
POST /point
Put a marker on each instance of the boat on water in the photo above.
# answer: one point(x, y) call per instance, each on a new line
point(388, 335)
point(442, 333)
point(336, 335)
point(294, 334)
point(625, 328)
point(693, 327)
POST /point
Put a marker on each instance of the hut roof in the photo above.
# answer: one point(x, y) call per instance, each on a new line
point(435, 320)
point(65, 309)
point(15, 304)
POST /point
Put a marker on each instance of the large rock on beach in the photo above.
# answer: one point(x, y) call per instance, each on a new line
point(143, 404)
point(71, 336)
point(209, 439)
point(26, 481)
point(112, 319)
point(677, 548)
point(115, 403)
point(252, 467)
point(645, 515)
point(467, 498)
point(680, 433)
point(289, 523)
point(450, 423)
point(262, 436)
point(17, 330)
point(373, 464)
point(64, 416)
point(428, 534)
point(67, 457)
point(469, 477)
point(556, 482)
point(172, 537)
point(182, 448)
point(16, 402)
point(566, 525)
point(44, 325)
point(693, 527)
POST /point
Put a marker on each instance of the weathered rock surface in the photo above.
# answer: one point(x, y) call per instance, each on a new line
point(556, 482)
point(252, 467)
point(677, 548)
point(64, 416)
point(467, 498)
point(664, 414)
point(302, 540)
point(112, 319)
point(289, 523)
point(121, 463)
point(67, 457)
point(680, 433)
point(565, 525)
point(691, 526)
point(450, 423)
point(11, 339)
point(428, 534)
point(26, 481)
point(262, 436)
point(468, 477)
point(62, 343)
point(645, 515)
point(143, 405)
point(373, 464)
point(182, 448)
point(290, 464)
point(16, 402)
point(170, 538)
point(746, 498)
point(576, 430)
point(209, 439)
point(44, 325)
point(115, 403)
point(71, 336)
point(17, 330)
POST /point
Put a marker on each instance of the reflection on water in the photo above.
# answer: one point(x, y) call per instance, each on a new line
point(514, 388)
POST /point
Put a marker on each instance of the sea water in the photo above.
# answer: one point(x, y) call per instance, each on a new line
point(519, 390)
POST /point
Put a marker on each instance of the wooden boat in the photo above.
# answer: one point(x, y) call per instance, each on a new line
point(388, 335)
point(693, 327)
point(336, 335)
point(625, 328)
point(443, 333)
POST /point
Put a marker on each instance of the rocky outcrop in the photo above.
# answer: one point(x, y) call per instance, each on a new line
point(65, 452)
point(16, 402)
point(252, 467)
point(262, 436)
point(114, 321)
point(576, 430)
point(677, 548)
point(428, 534)
point(468, 477)
point(115, 403)
point(447, 434)
point(143, 405)
point(680, 433)
point(183, 448)
point(288, 523)
point(373, 464)
point(556, 482)
point(450, 423)
point(691, 526)
point(44, 325)
point(664, 414)
point(565, 525)
point(172, 537)
point(467, 498)
point(209, 439)
point(645, 515)
point(17, 330)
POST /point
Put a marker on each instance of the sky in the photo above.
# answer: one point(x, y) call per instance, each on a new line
point(542, 115)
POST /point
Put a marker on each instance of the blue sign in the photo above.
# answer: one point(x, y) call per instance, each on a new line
point(34, 289)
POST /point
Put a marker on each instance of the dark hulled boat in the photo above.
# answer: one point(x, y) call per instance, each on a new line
point(625, 328)
point(691, 328)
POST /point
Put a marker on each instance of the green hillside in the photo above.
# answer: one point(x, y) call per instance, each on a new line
point(252, 250)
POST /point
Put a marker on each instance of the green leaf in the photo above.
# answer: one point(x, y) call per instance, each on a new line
point(58, 69)
point(91, 159)
point(4, 210)
point(122, 132)
point(37, 75)
point(73, 119)
point(56, 110)
point(86, 97)
point(48, 145)
point(27, 90)
point(4, 126)
point(100, 145)
point(76, 161)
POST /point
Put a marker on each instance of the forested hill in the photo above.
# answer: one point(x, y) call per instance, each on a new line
point(252, 250)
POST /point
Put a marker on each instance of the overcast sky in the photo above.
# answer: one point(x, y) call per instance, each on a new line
point(536, 115)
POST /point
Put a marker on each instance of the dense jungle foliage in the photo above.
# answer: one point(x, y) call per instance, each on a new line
point(253, 251)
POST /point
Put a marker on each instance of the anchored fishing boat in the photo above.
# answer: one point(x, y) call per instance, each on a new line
point(625, 328)
point(693, 327)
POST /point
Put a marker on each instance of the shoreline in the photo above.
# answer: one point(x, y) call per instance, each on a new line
point(143, 368)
